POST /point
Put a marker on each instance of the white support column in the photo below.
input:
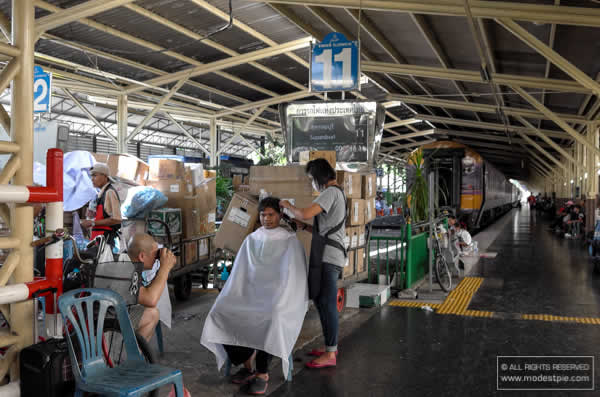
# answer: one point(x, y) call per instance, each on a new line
point(213, 143)
point(23, 37)
point(122, 114)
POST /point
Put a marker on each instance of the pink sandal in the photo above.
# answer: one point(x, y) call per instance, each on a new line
point(312, 364)
point(318, 353)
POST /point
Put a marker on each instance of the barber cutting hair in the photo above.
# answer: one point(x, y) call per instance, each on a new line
point(328, 255)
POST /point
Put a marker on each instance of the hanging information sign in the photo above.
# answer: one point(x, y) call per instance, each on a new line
point(335, 64)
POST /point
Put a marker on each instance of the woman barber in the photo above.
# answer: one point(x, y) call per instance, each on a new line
point(328, 254)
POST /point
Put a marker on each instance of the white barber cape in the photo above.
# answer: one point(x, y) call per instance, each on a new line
point(265, 299)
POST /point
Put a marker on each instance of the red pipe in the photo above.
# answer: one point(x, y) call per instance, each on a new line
point(53, 192)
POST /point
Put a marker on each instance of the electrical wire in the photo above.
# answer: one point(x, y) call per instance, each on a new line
point(227, 26)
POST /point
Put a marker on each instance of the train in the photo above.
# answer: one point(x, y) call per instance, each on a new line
point(467, 185)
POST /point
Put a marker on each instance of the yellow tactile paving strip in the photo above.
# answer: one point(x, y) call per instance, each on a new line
point(401, 303)
point(459, 299)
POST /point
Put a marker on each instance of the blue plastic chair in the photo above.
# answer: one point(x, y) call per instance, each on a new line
point(134, 377)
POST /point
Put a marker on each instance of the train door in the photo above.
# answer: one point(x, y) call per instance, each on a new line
point(446, 166)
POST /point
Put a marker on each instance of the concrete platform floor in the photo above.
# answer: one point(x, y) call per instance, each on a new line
point(184, 351)
point(403, 351)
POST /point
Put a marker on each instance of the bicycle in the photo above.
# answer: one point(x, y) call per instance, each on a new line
point(442, 270)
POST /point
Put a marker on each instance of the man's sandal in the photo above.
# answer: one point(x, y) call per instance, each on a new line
point(243, 376)
point(256, 386)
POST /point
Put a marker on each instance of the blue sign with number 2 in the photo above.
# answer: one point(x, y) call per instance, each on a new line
point(41, 90)
point(335, 64)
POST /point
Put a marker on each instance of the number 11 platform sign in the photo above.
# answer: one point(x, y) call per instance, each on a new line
point(335, 64)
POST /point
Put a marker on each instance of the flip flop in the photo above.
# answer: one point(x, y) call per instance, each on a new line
point(313, 365)
point(318, 353)
point(256, 386)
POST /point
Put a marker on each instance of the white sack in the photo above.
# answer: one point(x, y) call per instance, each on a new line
point(265, 299)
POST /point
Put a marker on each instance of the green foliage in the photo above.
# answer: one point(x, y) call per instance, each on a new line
point(417, 196)
point(224, 190)
point(274, 153)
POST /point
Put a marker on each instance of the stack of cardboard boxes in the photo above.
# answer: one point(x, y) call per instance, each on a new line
point(187, 190)
point(291, 183)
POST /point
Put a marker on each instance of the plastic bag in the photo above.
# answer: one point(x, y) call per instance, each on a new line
point(142, 200)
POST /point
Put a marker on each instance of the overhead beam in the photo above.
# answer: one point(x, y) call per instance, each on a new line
point(473, 76)
point(409, 135)
point(156, 108)
point(550, 142)
point(551, 55)
point(480, 9)
point(407, 146)
point(266, 102)
point(560, 122)
point(75, 13)
point(491, 126)
point(480, 107)
point(89, 115)
point(541, 150)
point(482, 136)
point(421, 24)
point(186, 133)
point(508, 148)
point(152, 47)
point(224, 63)
point(402, 123)
point(371, 29)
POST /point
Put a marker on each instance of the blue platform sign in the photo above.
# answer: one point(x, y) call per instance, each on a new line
point(335, 64)
point(42, 90)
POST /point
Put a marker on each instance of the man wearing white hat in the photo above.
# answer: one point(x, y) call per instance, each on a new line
point(105, 210)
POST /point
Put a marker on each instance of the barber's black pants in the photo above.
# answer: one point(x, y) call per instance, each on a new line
point(239, 355)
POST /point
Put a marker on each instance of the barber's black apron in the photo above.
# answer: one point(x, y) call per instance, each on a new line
point(317, 249)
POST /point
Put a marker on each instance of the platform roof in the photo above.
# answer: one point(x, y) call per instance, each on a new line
point(510, 78)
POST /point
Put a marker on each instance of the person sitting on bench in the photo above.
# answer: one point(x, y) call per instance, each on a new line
point(261, 308)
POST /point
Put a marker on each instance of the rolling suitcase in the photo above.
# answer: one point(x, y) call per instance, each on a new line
point(46, 370)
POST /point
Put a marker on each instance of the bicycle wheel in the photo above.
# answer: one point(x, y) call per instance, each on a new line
point(442, 272)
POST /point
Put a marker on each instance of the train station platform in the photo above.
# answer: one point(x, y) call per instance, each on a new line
point(537, 297)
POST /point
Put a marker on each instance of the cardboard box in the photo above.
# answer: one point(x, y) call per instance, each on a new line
point(361, 263)
point(166, 169)
point(351, 183)
point(236, 181)
point(370, 212)
point(203, 249)
point(171, 216)
point(174, 189)
point(356, 212)
point(190, 252)
point(210, 174)
point(288, 181)
point(369, 185)
point(362, 236)
point(238, 222)
point(348, 237)
point(124, 166)
point(194, 173)
point(206, 193)
point(329, 155)
point(349, 270)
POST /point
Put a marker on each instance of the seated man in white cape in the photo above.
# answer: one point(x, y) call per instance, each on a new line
point(261, 308)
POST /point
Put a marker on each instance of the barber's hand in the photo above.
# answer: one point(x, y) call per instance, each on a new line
point(167, 258)
point(86, 223)
point(285, 204)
